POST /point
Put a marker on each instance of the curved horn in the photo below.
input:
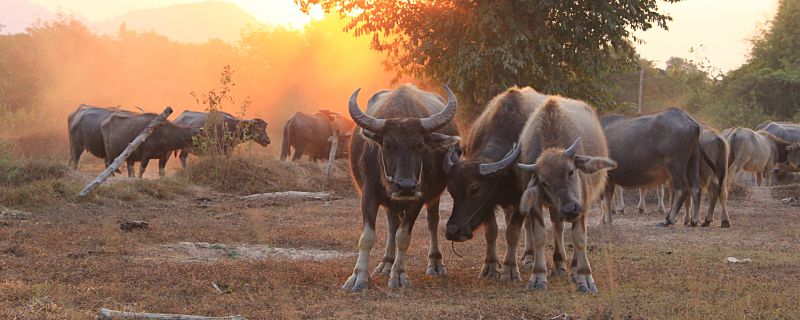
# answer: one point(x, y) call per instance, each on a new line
point(511, 157)
point(441, 119)
point(451, 158)
point(570, 152)
point(527, 167)
point(362, 119)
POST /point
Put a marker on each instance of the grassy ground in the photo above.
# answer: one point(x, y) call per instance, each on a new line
point(69, 259)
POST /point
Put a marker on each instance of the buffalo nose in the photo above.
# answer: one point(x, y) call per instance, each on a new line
point(457, 234)
point(406, 184)
point(571, 210)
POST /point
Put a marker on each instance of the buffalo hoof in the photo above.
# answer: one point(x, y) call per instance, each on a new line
point(586, 284)
point(693, 224)
point(399, 280)
point(641, 210)
point(384, 268)
point(510, 273)
point(490, 270)
point(725, 224)
point(587, 288)
point(436, 268)
point(357, 282)
point(665, 223)
point(558, 273)
point(527, 263)
point(705, 223)
point(537, 285)
point(661, 210)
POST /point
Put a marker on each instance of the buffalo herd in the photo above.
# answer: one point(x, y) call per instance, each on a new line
point(526, 152)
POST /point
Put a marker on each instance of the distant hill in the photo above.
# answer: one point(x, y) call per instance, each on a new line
point(190, 22)
point(16, 15)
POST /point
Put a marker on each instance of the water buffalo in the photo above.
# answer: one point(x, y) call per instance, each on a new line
point(787, 131)
point(119, 129)
point(618, 203)
point(311, 134)
point(713, 179)
point(396, 162)
point(653, 149)
point(564, 162)
point(84, 132)
point(485, 178)
point(227, 132)
point(755, 152)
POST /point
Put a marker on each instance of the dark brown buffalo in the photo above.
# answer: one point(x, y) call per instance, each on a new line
point(396, 162)
point(564, 162)
point(311, 134)
point(84, 132)
point(121, 129)
point(653, 149)
point(714, 179)
point(228, 132)
point(484, 178)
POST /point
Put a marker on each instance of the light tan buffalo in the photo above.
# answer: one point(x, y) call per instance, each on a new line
point(564, 162)
point(755, 152)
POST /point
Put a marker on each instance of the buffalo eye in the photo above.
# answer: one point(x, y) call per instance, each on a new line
point(571, 172)
point(473, 190)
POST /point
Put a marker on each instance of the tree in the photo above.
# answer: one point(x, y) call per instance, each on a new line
point(770, 80)
point(482, 47)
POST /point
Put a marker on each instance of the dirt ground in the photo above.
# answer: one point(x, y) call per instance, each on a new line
point(284, 260)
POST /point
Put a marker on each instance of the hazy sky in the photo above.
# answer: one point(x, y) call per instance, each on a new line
point(718, 29)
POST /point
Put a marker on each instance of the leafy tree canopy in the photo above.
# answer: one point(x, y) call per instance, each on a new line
point(482, 47)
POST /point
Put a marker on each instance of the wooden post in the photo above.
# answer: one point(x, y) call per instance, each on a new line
point(332, 155)
point(158, 121)
point(106, 314)
point(641, 89)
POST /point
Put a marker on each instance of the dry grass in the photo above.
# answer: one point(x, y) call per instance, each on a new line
point(68, 263)
point(247, 174)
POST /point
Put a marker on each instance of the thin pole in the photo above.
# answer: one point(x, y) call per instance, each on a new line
point(641, 89)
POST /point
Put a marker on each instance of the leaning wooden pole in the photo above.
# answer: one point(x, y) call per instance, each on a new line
point(106, 314)
point(158, 121)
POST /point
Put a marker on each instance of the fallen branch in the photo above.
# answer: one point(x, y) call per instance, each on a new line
point(158, 121)
point(106, 314)
point(292, 195)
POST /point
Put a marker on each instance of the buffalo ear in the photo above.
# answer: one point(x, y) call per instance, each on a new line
point(441, 141)
point(594, 164)
point(377, 138)
point(529, 200)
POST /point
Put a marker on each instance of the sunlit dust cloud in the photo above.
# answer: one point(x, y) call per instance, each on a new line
point(62, 64)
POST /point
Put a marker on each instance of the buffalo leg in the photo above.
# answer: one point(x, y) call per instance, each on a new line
point(723, 201)
point(398, 277)
point(608, 195)
point(619, 200)
point(527, 255)
point(298, 151)
point(695, 186)
point(713, 196)
point(680, 187)
point(642, 194)
point(369, 210)
point(393, 221)
point(143, 166)
point(131, 169)
point(435, 265)
point(660, 193)
point(510, 270)
point(585, 281)
point(559, 253)
point(491, 263)
point(183, 156)
point(75, 151)
point(538, 279)
point(162, 165)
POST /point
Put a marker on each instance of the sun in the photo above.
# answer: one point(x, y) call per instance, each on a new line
point(280, 12)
